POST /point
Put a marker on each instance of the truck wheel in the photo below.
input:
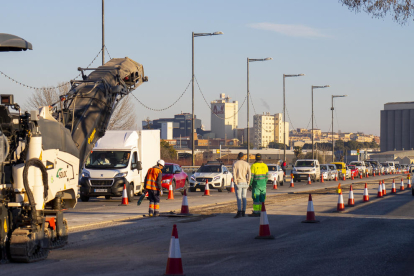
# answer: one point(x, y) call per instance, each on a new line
point(84, 198)
point(130, 193)
point(107, 197)
point(185, 187)
point(221, 187)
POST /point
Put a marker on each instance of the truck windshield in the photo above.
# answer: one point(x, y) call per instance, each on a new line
point(209, 169)
point(108, 160)
point(305, 163)
point(272, 168)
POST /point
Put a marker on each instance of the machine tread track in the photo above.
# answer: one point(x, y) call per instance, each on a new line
point(59, 242)
point(25, 248)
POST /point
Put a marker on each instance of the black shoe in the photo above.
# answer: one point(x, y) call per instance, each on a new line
point(254, 215)
point(243, 213)
point(239, 214)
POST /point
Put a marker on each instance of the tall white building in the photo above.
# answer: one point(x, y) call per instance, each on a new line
point(224, 117)
point(269, 128)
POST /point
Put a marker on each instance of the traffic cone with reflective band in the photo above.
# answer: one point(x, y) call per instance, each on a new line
point(409, 183)
point(373, 174)
point(309, 180)
point(310, 214)
point(264, 230)
point(232, 187)
point(341, 205)
point(274, 184)
point(366, 194)
point(360, 175)
point(367, 175)
point(352, 176)
point(174, 263)
point(336, 177)
point(344, 178)
point(351, 201)
point(291, 183)
point(170, 192)
point(322, 180)
point(184, 206)
point(124, 197)
point(402, 185)
point(146, 194)
point(384, 191)
point(207, 189)
point(393, 189)
point(379, 190)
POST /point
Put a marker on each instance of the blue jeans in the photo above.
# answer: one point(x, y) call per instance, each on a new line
point(241, 191)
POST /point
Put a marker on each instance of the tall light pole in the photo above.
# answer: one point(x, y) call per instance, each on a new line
point(284, 112)
point(103, 32)
point(192, 84)
point(313, 87)
point(332, 108)
point(248, 97)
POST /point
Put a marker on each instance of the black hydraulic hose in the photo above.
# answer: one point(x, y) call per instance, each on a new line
point(35, 162)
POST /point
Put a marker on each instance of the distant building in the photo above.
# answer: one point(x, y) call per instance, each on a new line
point(268, 128)
point(181, 124)
point(397, 126)
point(224, 117)
point(167, 130)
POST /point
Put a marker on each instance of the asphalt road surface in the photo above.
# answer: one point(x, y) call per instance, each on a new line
point(373, 238)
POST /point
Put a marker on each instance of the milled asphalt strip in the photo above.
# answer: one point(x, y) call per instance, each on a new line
point(114, 221)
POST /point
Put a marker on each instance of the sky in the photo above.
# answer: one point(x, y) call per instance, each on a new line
point(368, 59)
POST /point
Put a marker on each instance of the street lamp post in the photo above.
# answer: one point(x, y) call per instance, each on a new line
point(313, 87)
point(284, 112)
point(248, 97)
point(332, 108)
point(103, 32)
point(192, 84)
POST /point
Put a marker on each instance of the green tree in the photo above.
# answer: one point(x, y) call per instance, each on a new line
point(297, 151)
point(167, 151)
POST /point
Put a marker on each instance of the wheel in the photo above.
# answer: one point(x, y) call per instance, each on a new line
point(131, 193)
point(412, 192)
point(281, 182)
point(294, 179)
point(192, 189)
point(107, 197)
point(221, 187)
point(185, 187)
point(299, 180)
point(173, 184)
point(84, 198)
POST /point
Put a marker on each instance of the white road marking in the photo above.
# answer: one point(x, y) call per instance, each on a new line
point(223, 260)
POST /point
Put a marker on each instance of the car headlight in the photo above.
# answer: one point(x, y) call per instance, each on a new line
point(166, 181)
point(193, 178)
point(85, 174)
point(216, 178)
point(122, 174)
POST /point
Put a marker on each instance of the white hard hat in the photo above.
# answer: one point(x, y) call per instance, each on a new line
point(161, 162)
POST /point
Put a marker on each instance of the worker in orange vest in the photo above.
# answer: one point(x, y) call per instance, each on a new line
point(153, 186)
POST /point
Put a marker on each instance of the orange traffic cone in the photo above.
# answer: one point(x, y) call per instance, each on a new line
point(341, 205)
point(336, 177)
point(366, 174)
point(322, 180)
point(146, 194)
point(366, 194)
point(274, 184)
point(232, 187)
point(373, 174)
point(207, 189)
point(309, 180)
point(360, 175)
point(393, 190)
point(379, 190)
point(124, 197)
point(310, 214)
point(409, 183)
point(291, 183)
point(344, 178)
point(339, 190)
point(351, 201)
point(170, 192)
point(384, 192)
point(264, 231)
point(174, 263)
point(184, 205)
point(352, 176)
point(402, 185)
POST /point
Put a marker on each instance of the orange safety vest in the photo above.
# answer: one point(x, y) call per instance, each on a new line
point(152, 176)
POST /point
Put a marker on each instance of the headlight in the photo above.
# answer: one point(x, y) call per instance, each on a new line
point(313, 169)
point(216, 178)
point(122, 174)
point(166, 181)
point(85, 174)
point(193, 178)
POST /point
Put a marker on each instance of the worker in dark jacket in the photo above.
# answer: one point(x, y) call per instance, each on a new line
point(153, 181)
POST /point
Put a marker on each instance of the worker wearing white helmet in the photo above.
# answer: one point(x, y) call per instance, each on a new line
point(153, 181)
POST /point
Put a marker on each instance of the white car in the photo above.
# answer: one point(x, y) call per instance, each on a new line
point(214, 173)
point(275, 171)
point(360, 165)
point(334, 170)
point(326, 172)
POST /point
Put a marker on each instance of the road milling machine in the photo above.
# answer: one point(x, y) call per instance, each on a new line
point(42, 153)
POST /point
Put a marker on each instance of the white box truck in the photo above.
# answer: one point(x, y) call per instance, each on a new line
point(121, 157)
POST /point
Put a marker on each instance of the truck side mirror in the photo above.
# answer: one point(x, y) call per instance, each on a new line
point(139, 165)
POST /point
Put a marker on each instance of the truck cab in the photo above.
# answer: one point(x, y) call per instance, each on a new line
point(119, 158)
point(306, 167)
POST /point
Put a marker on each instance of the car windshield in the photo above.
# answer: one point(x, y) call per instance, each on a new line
point(305, 163)
point(332, 167)
point(390, 164)
point(324, 168)
point(108, 160)
point(272, 168)
point(357, 164)
point(167, 169)
point(338, 166)
point(351, 167)
point(384, 164)
point(209, 169)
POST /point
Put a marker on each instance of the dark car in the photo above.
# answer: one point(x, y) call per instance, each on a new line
point(173, 174)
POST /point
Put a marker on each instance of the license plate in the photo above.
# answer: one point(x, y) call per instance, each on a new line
point(101, 190)
point(304, 175)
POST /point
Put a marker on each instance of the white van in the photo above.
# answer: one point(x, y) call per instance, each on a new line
point(121, 157)
point(392, 165)
point(305, 167)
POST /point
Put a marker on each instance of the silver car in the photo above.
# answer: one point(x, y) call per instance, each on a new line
point(326, 172)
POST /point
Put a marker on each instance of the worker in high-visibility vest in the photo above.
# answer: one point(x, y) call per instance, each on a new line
point(153, 186)
point(258, 182)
